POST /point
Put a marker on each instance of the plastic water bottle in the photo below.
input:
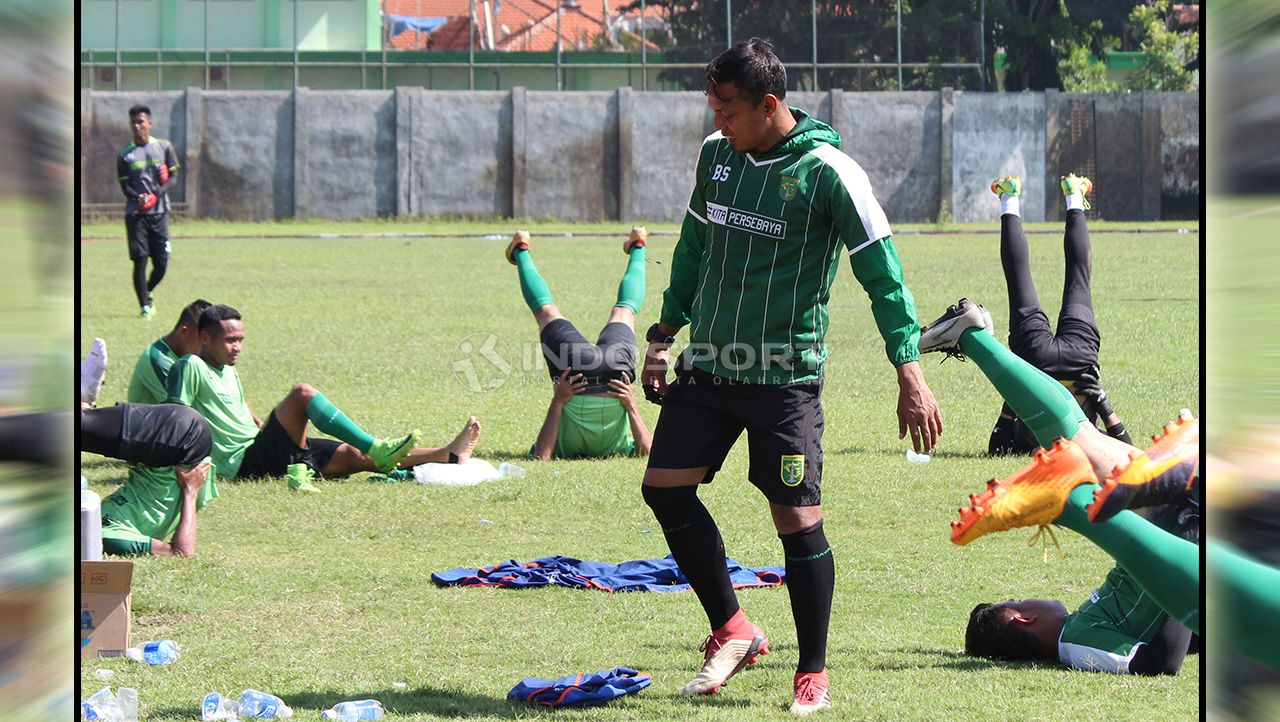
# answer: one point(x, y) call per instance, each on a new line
point(260, 705)
point(915, 458)
point(90, 524)
point(365, 709)
point(153, 653)
point(127, 701)
point(101, 707)
point(217, 707)
point(509, 471)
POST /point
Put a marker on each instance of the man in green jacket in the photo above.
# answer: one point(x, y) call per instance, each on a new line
point(774, 206)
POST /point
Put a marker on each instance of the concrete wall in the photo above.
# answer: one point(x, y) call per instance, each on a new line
point(629, 155)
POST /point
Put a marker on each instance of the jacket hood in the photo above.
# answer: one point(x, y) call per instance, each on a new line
point(808, 134)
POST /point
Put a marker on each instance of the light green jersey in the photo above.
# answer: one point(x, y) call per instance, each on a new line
point(218, 396)
point(1109, 628)
point(593, 426)
point(753, 268)
point(150, 381)
point(150, 502)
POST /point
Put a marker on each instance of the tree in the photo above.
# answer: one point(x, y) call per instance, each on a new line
point(1036, 36)
point(1168, 53)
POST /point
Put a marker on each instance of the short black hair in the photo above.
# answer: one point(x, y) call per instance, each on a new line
point(751, 66)
point(212, 317)
point(992, 634)
point(139, 109)
point(190, 315)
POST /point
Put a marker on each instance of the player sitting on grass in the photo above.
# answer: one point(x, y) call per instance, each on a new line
point(1071, 354)
point(150, 381)
point(593, 412)
point(246, 447)
point(1061, 486)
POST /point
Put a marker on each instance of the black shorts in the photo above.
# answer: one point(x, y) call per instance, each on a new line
point(272, 451)
point(1064, 355)
point(612, 355)
point(703, 415)
point(163, 435)
point(148, 235)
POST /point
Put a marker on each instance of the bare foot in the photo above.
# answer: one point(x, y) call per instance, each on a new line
point(465, 442)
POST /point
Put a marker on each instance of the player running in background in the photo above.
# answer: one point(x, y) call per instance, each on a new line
point(150, 381)
point(1071, 354)
point(147, 170)
point(593, 413)
point(774, 207)
point(243, 446)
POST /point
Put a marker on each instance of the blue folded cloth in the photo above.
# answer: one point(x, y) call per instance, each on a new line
point(580, 690)
point(652, 575)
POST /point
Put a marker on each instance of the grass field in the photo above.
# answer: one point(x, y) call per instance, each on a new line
point(327, 597)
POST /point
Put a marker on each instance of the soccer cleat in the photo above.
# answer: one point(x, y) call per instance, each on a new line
point(147, 312)
point(92, 371)
point(944, 333)
point(724, 658)
point(1072, 183)
point(300, 476)
point(1035, 495)
point(811, 692)
point(638, 239)
point(1010, 185)
point(519, 242)
point(386, 453)
point(1160, 475)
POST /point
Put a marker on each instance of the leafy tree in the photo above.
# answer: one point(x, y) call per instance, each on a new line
point(1168, 53)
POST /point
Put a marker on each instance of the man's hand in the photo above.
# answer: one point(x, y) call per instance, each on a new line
point(620, 389)
point(192, 479)
point(566, 387)
point(918, 411)
point(1089, 385)
point(147, 201)
point(653, 377)
point(162, 170)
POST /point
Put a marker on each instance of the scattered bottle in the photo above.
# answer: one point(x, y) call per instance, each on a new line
point(365, 709)
point(260, 705)
point(101, 707)
point(915, 458)
point(218, 707)
point(508, 470)
point(127, 702)
point(153, 653)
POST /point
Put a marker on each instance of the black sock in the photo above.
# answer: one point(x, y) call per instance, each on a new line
point(158, 267)
point(696, 546)
point(811, 580)
point(1119, 432)
point(453, 458)
point(140, 281)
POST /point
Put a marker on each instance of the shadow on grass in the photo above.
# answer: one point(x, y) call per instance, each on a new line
point(920, 657)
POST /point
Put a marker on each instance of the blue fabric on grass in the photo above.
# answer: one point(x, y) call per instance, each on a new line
point(641, 575)
point(580, 690)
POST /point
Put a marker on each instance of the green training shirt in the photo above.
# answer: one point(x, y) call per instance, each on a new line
point(218, 396)
point(150, 381)
point(150, 502)
point(593, 426)
point(753, 268)
point(1110, 627)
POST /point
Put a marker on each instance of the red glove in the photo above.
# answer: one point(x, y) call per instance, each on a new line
point(163, 170)
point(147, 201)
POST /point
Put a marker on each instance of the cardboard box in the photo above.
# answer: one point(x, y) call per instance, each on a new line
point(105, 608)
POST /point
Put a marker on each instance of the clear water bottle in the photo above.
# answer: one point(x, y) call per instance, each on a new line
point(159, 652)
point(127, 702)
point(260, 705)
point(365, 709)
point(216, 707)
point(509, 471)
point(101, 707)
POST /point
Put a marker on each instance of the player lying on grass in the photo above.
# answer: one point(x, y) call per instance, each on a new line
point(244, 446)
point(1061, 486)
point(167, 447)
point(593, 412)
point(1071, 354)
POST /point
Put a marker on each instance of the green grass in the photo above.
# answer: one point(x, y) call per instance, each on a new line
point(327, 597)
